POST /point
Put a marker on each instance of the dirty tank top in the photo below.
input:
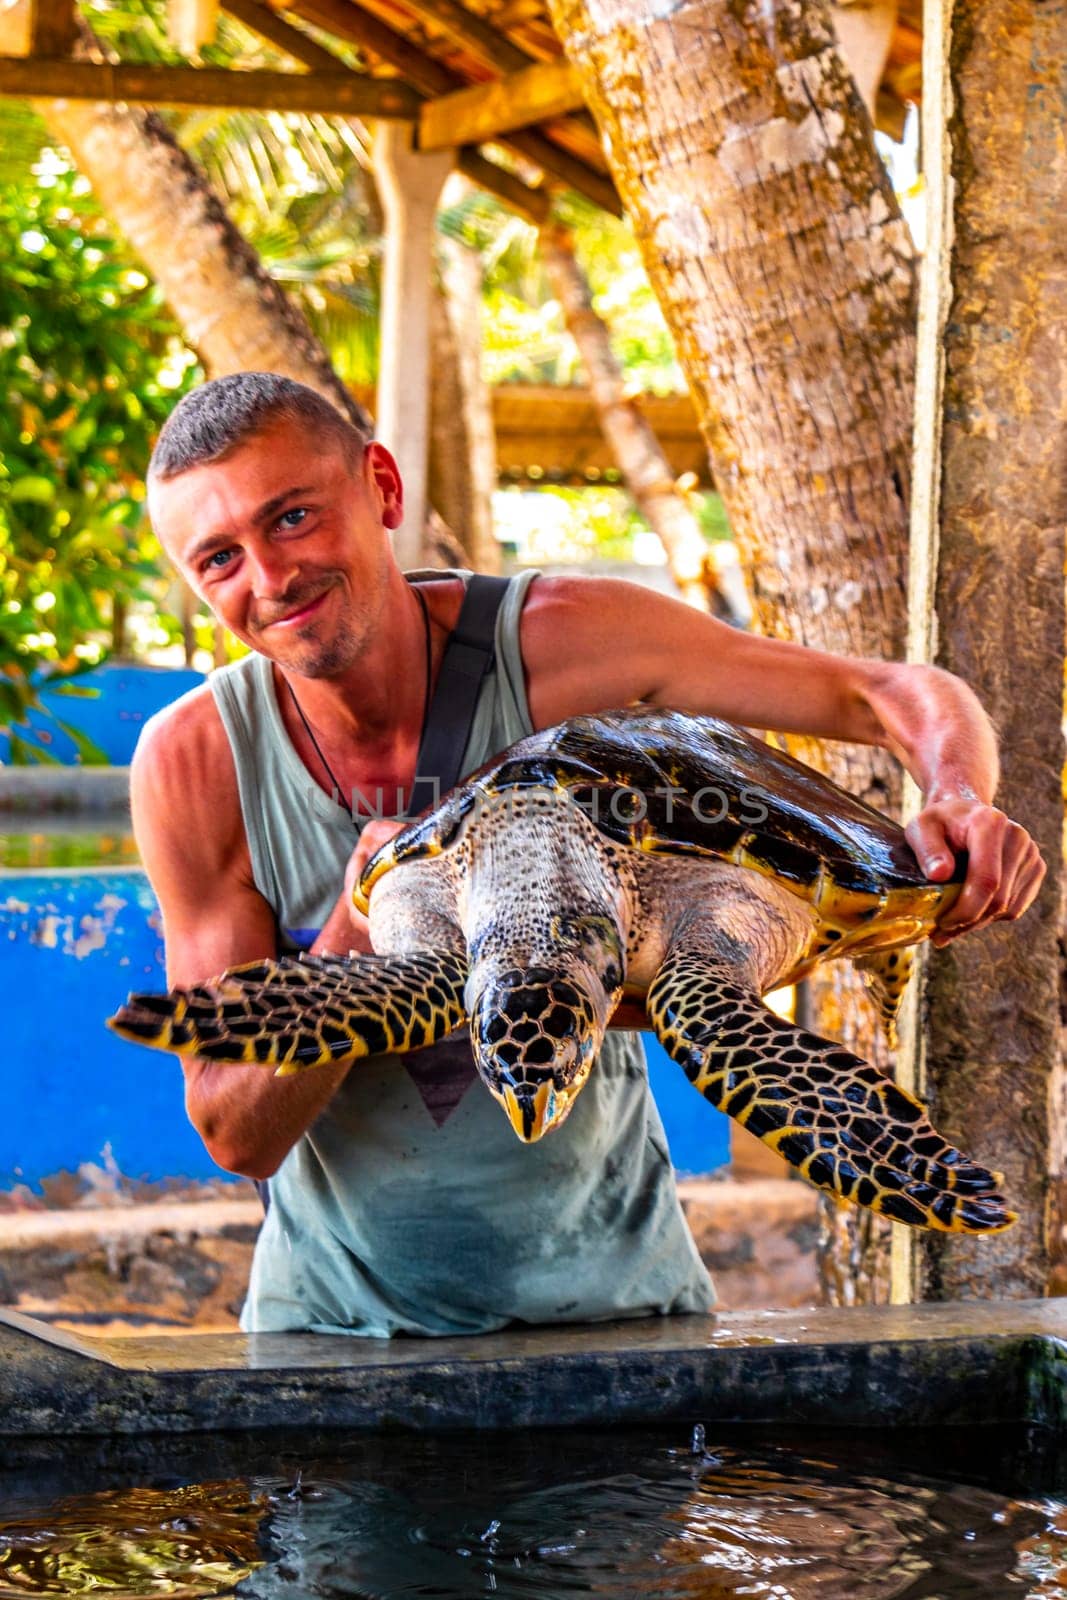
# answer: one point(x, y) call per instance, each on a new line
point(410, 1206)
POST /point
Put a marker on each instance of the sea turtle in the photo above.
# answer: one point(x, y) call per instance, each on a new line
point(644, 854)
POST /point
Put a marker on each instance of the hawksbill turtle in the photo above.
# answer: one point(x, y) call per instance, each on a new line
point(641, 854)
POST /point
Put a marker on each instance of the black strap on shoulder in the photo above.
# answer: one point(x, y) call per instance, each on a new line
point(469, 654)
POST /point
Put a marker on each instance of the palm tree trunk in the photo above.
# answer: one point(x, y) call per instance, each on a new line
point(230, 310)
point(644, 466)
point(773, 241)
point(991, 476)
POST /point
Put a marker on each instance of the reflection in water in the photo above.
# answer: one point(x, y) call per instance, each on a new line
point(617, 1514)
point(185, 1542)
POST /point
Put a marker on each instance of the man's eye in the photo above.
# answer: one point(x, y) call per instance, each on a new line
point(293, 518)
point(218, 559)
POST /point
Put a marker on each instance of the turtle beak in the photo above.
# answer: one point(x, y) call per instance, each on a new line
point(530, 1111)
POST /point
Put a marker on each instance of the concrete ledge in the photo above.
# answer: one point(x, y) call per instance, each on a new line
point(875, 1366)
point(33, 792)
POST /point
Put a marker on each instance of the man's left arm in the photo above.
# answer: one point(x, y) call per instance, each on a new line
point(591, 644)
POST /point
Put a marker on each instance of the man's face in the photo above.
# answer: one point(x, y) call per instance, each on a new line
point(285, 539)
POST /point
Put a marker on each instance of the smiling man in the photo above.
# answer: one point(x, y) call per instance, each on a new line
point(399, 1201)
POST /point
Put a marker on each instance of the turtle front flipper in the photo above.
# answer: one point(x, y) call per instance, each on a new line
point(303, 1012)
point(844, 1125)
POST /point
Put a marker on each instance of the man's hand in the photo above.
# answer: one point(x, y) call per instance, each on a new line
point(346, 928)
point(1004, 866)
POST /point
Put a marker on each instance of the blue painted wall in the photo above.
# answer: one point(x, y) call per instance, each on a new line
point(73, 943)
point(124, 699)
point(698, 1136)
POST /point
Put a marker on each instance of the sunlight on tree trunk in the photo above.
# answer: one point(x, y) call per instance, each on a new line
point(773, 240)
point(635, 447)
point(991, 508)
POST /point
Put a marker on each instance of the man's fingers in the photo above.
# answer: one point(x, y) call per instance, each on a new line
point(1024, 891)
point(927, 837)
point(999, 893)
point(985, 872)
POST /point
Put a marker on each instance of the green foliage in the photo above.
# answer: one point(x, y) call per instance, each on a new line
point(295, 185)
point(526, 340)
point(90, 365)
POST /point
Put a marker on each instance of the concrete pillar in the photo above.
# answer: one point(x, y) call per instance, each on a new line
point(989, 512)
point(864, 30)
point(409, 182)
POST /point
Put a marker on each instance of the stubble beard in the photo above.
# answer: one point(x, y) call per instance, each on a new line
point(308, 656)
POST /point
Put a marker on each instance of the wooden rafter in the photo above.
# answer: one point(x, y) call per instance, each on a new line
point(538, 92)
point(483, 41)
point(337, 93)
point(533, 204)
point(352, 22)
point(265, 21)
point(488, 44)
point(53, 27)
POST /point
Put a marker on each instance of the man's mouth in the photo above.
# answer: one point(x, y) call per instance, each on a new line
point(301, 613)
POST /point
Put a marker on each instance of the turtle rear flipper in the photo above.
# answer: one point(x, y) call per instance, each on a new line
point(886, 974)
point(303, 1012)
point(843, 1124)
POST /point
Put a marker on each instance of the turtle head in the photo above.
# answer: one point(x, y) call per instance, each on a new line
point(545, 907)
point(536, 1030)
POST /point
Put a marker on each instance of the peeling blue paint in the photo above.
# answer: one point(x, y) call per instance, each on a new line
point(72, 944)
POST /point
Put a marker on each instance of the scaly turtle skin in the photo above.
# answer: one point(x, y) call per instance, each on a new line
point(672, 859)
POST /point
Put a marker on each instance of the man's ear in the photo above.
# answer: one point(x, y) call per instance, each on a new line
point(383, 475)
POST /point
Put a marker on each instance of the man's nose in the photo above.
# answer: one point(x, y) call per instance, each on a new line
point(273, 571)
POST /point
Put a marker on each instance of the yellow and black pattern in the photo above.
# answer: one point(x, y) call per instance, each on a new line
point(520, 1025)
point(847, 1127)
point(300, 1012)
point(887, 974)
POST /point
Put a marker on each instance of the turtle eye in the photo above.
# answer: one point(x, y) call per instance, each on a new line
point(586, 931)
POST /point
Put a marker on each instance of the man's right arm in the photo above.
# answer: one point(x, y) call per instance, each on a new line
point(190, 833)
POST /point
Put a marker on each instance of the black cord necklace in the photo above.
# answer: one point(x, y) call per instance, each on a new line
point(337, 790)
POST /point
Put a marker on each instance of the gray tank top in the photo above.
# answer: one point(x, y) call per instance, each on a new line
point(409, 1206)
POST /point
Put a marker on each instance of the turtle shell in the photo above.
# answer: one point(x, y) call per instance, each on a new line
point(670, 783)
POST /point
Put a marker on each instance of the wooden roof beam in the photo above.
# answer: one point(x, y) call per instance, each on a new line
point(351, 22)
point(53, 27)
point(265, 21)
point(533, 204)
point(342, 93)
point(486, 41)
point(486, 110)
point(491, 47)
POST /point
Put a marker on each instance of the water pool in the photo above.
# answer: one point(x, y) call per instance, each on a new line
point(670, 1512)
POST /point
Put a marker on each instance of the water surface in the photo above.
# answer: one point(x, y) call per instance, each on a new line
point(670, 1513)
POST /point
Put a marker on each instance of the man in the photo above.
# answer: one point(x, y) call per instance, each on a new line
point(400, 1202)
